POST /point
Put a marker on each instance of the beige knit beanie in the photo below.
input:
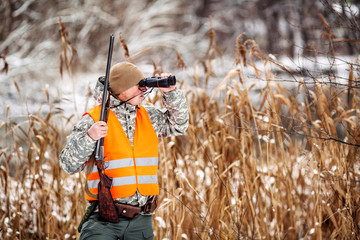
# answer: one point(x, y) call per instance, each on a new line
point(123, 76)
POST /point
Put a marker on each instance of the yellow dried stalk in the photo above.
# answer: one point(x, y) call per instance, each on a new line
point(65, 46)
point(241, 51)
point(180, 61)
point(125, 48)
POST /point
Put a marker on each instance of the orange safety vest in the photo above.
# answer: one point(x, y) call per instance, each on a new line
point(132, 168)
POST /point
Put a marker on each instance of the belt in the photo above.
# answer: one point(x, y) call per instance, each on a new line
point(123, 210)
point(130, 211)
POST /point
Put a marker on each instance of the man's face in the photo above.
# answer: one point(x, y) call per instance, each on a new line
point(135, 92)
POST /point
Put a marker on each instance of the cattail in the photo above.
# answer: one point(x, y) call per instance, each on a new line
point(212, 35)
point(180, 64)
point(240, 53)
point(65, 44)
point(125, 48)
point(254, 49)
point(328, 34)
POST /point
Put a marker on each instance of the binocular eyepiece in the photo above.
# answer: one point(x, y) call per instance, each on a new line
point(158, 82)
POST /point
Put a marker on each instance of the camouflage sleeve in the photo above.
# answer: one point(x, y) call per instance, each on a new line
point(173, 120)
point(78, 148)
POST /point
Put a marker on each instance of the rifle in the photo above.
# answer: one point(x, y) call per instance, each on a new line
point(107, 210)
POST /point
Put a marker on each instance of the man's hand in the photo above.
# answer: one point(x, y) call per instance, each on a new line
point(169, 89)
point(98, 130)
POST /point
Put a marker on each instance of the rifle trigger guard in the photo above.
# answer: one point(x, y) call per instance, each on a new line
point(105, 163)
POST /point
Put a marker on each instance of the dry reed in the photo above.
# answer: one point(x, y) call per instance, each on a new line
point(65, 45)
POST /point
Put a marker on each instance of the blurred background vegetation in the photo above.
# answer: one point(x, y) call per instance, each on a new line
point(280, 27)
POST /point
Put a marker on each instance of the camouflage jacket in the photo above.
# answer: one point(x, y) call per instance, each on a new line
point(171, 121)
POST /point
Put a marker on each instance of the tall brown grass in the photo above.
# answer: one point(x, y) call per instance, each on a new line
point(274, 168)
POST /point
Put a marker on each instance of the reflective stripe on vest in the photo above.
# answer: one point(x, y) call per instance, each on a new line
point(132, 168)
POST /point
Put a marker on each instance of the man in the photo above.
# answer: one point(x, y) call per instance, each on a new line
point(130, 149)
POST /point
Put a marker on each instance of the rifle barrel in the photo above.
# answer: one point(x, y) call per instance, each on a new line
point(99, 150)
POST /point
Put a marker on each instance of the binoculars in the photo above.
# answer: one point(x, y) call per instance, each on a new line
point(158, 82)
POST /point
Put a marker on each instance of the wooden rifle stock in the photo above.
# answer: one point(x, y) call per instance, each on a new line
point(107, 210)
